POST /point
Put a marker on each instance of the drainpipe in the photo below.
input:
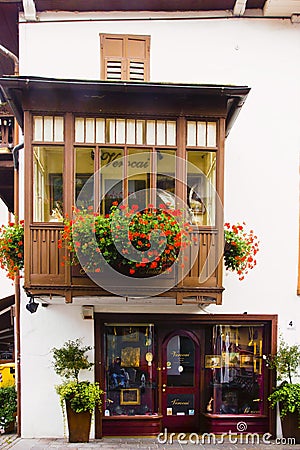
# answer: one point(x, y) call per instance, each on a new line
point(5, 52)
point(15, 153)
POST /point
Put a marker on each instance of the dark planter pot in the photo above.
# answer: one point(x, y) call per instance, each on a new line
point(290, 426)
point(10, 428)
point(79, 425)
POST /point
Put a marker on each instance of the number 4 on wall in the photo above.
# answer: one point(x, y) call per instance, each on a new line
point(291, 325)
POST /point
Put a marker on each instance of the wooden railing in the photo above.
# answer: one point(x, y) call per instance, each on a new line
point(48, 268)
point(46, 259)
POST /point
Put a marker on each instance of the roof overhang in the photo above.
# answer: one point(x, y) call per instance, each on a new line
point(33, 93)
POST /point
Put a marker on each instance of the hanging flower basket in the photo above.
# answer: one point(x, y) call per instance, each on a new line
point(240, 249)
point(135, 243)
point(12, 248)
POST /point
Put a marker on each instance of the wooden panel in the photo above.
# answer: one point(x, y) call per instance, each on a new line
point(203, 251)
point(46, 258)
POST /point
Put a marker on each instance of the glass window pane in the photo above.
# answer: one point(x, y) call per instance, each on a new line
point(180, 361)
point(110, 131)
point(58, 129)
point(211, 134)
point(236, 382)
point(130, 379)
point(165, 180)
point(150, 132)
point(201, 134)
point(139, 167)
point(171, 133)
point(48, 184)
point(90, 130)
point(161, 132)
point(79, 129)
point(140, 132)
point(38, 128)
point(84, 169)
point(120, 132)
point(100, 131)
point(111, 176)
point(130, 131)
point(48, 128)
point(191, 134)
point(201, 186)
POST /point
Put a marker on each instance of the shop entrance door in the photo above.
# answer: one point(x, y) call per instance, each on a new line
point(180, 382)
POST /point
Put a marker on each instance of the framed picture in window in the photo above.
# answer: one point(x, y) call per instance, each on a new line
point(246, 361)
point(130, 334)
point(213, 361)
point(130, 397)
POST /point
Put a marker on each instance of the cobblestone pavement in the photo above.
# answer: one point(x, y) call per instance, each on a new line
point(16, 443)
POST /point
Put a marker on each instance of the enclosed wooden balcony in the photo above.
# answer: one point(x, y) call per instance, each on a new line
point(49, 273)
point(163, 139)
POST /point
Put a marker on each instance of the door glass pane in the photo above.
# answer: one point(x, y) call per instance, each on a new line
point(201, 186)
point(180, 361)
point(48, 184)
point(180, 405)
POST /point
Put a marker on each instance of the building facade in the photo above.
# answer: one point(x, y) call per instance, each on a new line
point(191, 108)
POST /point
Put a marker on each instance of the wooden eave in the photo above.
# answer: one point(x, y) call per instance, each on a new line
point(101, 97)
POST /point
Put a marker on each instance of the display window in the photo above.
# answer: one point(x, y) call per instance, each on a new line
point(130, 372)
point(234, 370)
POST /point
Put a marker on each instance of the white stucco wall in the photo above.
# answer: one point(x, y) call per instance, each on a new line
point(261, 167)
point(49, 327)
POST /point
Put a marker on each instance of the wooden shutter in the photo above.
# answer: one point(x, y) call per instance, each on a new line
point(125, 57)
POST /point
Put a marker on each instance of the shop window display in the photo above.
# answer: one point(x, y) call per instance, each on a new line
point(130, 376)
point(234, 370)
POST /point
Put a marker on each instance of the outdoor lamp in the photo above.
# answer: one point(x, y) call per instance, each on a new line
point(32, 306)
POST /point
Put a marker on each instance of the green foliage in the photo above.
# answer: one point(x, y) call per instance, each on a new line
point(83, 395)
point(286, 362)
point(12, 248)
point(288, 395)
point(70, 359)
point(8, 405)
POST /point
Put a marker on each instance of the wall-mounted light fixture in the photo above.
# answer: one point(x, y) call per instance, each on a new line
point(87, 312)
point(32, 306)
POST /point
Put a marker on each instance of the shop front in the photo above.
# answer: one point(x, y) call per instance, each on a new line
point(183, 373)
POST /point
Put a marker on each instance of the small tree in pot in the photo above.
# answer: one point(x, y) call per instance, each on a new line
point(80, 398)
point(287, 364)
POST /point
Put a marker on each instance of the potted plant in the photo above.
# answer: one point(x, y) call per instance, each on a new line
point(240, 249)
point(78, 398)
point(8, 408)
point(134, 243)
point(286, 362)
point(12, 248)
